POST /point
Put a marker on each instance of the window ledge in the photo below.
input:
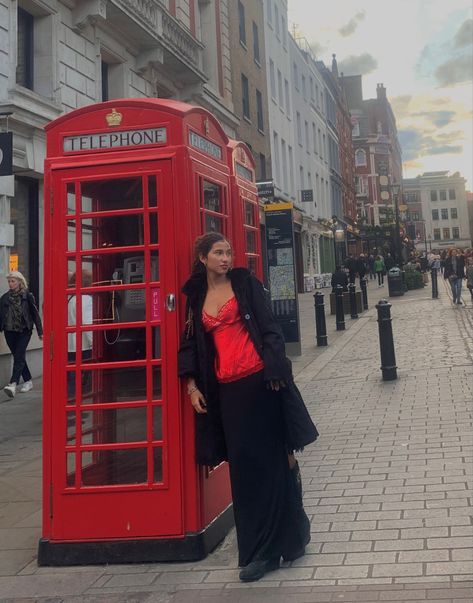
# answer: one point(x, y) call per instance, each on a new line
point(257, 63)
point(39, 107)
point(243, 45)
point(247, 119)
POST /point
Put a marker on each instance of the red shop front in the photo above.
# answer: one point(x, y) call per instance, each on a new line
point(129, 184)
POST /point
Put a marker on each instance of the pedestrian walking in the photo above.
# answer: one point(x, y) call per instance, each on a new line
point(454, 272)
point(389, 262)
point(469, 276)
point(361, 267)
point(380, 270)
point(371, 266)
point(249, 410)
point(350, 265)
point(18, 315)
point(86, 339)
point(339, 277)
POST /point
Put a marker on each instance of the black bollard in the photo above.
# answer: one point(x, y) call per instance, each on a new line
point(320, 327)
point(352, 291)
point(435, 287)
point(386, 342)
point(340, 316)
point(364, 293)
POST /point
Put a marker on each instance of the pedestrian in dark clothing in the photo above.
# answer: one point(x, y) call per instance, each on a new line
point(361, 267)
point(249, 410)
point(389, 261)
point(371, 266)
point(350, 265)
point(339, 277)
point(18, 315)
point(454, 272)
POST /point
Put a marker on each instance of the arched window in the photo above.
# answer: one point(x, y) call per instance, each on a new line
point(360, 157)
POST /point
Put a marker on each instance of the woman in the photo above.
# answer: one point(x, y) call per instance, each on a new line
point(18, 314)
point(469, 276)
point(249, 411)
point(380, 270)
point(454, 272)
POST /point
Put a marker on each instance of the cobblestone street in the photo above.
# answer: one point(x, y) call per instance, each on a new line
point(387, 485)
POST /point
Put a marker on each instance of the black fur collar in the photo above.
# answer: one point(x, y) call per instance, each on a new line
point(197, 283)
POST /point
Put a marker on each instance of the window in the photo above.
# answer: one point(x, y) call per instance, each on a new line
point(324, 148)
point(299, 128)
point(436, 234)
point(435, 214)
point(453, 213)
point(280, 91)
point(446, 233)
point(241, 23)
point(433, 196)
point(105, 75)
point(245, 96)
point(270, 12)
point(321, 153)
point(276, 19)
point(283, 31)
point(301, 177)
point(262, 167)
point(213, 207)
point(311, 88)
point(276, 153)
point(306, 131)
point(256, 55)
point(304, 90)
point(314, 138)
point(259, 111)
point(451, 193)
point(25, 47)
point(415, 215)
point(296, 76)
point(317, 95)
point(291, 170)
point(360, 157)
point(272, 78)
point(455, 232)
point(443, 195)
point(284, 164)
point(286, 94)
point(444, 213)
point(356, 129)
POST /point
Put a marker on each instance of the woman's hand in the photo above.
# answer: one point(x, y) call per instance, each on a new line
point(276, 384)
point(198, 402)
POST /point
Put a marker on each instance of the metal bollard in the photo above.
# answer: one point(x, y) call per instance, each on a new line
point(340, 315)
point(320, 327)
point(386, 342)
point(435, 286)
point(352, 291)
point(364, 293)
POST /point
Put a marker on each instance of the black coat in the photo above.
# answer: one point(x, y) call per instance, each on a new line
point(339, 278)
point(448, 269)
point(197, 359)
point(28, 307)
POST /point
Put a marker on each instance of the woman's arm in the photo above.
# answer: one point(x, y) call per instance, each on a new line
point(35, 315)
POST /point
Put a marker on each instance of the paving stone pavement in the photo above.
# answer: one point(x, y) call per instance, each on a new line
point(387, 485)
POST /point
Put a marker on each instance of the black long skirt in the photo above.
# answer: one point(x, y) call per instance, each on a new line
point(263, 495)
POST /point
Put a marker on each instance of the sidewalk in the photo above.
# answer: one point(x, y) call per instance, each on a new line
point(387, 485)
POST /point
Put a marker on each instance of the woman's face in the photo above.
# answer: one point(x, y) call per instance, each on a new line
point(13, 283)
point(219, 258)
point(454, 252)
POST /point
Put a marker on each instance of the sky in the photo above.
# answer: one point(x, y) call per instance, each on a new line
point(422, 51)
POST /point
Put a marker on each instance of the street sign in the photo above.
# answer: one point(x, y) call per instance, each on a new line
point(6, 153)
point(266, 190)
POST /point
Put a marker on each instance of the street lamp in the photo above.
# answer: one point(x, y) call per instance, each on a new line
point(395, 188)
point(338, 235)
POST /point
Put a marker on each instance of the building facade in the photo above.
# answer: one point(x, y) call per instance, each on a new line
point(443, 214)
point(58, 55)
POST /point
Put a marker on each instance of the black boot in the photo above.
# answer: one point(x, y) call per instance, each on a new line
point(302, 522)
point(255, 570)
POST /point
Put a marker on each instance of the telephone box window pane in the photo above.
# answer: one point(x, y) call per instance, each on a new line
point(153, 228)
point(123, 384)
point(116, 344)
point(250, 241)
point(70, 428)
point(251, 263)
point(156, 342)
point(249, 214)
point(112, 231)
point(70, 469)
point(157, 423)
point(107, 307)
point(158, 464)
point(71, 198)
point(109, 195)
point(115, 425)
point(154, 256)
point(114, 467)
point(213, 224)
point(212, 197)
point(115, 268)
point(157, 383)
point(152, 192)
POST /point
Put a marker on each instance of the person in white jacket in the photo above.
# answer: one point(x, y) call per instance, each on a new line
point(87, 319)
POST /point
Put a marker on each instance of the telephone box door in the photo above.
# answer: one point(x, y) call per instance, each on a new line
point(116, 469)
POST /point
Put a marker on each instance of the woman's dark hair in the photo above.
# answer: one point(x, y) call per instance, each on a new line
point(202, 246)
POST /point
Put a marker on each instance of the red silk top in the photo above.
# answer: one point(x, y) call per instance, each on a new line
point(236, 354)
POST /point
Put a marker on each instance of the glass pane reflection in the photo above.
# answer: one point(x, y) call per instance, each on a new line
point(113, 467)
point(124, 384)
point(110, 426)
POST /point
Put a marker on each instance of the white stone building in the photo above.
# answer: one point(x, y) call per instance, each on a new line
point(58, 55)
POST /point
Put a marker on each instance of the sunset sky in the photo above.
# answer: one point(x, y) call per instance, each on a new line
point(422, 51)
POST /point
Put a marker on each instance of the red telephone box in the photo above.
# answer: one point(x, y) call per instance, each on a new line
point(129, 184)
point(245, 208)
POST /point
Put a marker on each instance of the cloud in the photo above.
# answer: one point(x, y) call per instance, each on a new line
point(361, 64)
point(444, 150)
point(438, 118)
point(417, 143)
point(455, 71)
point(400, 105)
point(464, 36)
point(317, 48)
point(352, 24)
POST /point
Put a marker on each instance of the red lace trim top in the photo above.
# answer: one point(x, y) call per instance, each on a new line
point(236, 354)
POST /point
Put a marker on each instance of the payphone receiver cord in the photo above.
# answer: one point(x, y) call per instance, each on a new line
point(117, 315)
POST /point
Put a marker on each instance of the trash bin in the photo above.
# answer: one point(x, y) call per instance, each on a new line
point(395, 285)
